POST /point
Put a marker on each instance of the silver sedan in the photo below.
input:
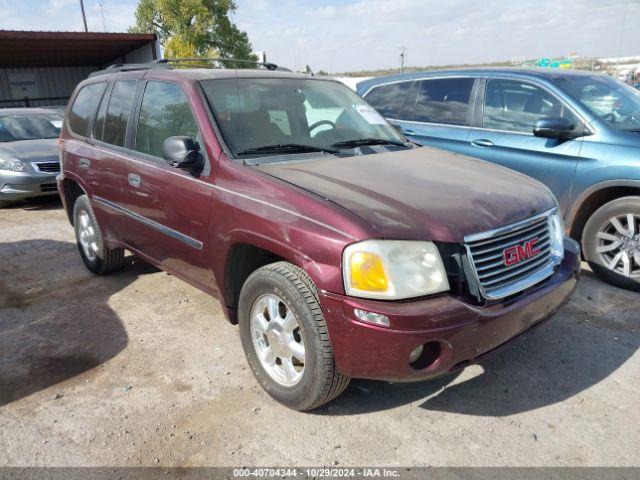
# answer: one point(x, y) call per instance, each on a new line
point(29, 159)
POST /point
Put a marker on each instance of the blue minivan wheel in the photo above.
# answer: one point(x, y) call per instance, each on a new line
point(611, 242)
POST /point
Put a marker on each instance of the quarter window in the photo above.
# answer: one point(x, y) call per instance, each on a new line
point(84, 106)
point(165, 112)
point(114, 124)
point(444, 100)
point(389, 99)
point(515, 106)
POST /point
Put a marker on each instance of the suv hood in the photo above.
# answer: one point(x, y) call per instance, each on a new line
point(45, 149)
point(422, 193)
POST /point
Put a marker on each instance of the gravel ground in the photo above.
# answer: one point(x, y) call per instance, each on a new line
point(139, 368)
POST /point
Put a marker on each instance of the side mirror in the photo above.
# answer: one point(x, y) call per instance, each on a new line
point(555, 127)
point(182, 152)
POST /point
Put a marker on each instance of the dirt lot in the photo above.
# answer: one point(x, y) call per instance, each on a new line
point(141, 369)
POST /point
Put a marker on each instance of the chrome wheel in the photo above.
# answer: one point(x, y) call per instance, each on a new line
point(277, 339)
point(618, 245)
point(87, 236)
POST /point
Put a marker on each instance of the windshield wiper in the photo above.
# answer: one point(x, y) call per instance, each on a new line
point(284, 148)
point(361, 142)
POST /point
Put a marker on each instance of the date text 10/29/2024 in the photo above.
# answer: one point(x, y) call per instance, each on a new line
point(320, 472)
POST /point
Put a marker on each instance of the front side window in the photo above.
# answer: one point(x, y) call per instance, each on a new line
point(165, 112)
point(615, 102)
point(288, 114)
point(29, 127)
point(389, 99)
point(515, 106)
point(444, 100)
point(83, 108)
point(112, 129)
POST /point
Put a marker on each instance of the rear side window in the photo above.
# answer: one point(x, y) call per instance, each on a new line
point(444, 100)
point(389, 99)
point(515, 106)
point(165, 112)
point(111, 125)
point(84, 106)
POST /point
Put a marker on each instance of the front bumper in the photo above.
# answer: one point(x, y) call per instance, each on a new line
point(465, 333)
point(16, 186)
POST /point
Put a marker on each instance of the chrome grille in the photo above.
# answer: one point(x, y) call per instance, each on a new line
point(486, 251)
point(48, 167)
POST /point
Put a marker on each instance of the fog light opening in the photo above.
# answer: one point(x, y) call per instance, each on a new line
point(371, 317)
point(425, 355)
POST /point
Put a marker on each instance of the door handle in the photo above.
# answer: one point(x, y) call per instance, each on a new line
point(134, 180)
point(409, 133)
point(482, 143)
point(84, 163)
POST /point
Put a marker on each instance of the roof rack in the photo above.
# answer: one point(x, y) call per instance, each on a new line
point(167, 64)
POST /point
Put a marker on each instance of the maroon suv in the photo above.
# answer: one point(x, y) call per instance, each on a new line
point(340, 248)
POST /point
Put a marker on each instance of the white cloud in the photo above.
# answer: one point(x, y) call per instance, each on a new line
point(351, 35)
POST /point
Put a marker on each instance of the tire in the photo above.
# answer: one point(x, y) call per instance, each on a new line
point(98, 258)
point(617, 264)
point(319, 381)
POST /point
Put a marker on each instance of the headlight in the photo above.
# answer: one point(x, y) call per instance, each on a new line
point(12, 164)
point(393, 269)
point(556, 233)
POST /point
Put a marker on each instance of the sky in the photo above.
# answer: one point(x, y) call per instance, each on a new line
point(350, 35)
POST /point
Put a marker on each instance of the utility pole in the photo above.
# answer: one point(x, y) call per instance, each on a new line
point(403, 56)
point(104, 23)
point(84, 17)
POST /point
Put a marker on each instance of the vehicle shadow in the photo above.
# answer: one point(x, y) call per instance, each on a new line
point(55, 321)
point(50, 202)
point(587, 340)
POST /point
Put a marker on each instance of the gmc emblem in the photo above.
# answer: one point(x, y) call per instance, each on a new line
point(521, 252)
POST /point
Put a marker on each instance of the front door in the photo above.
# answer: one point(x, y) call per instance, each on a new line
point(510, 109)
point(167, 210)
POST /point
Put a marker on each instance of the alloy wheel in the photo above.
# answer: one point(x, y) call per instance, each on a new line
point(618, 245)
point(87, 236)
point(277, 339)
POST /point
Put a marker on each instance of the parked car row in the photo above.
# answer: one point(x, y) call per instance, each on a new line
point(576, 132)
point(341, 249)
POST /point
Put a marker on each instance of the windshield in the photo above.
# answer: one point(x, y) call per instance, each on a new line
point(613, 101)
point(275, 116)
point(29, 127)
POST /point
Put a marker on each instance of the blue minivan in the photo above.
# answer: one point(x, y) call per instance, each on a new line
point(576, 132)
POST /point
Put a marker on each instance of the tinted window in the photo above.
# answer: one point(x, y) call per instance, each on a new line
point(616, 103)
point(444, 100)
point(114, 125)
point(515, 106)
point(389, 99)
point(165, 112)
point(84, 106)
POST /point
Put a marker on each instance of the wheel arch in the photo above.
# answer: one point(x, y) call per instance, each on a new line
point(595, 197)
point(70, 190)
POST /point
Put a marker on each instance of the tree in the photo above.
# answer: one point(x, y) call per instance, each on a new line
point(193, 28)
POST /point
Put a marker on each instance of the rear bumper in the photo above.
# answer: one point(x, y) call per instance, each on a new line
point(464, 333)
point(15, 186)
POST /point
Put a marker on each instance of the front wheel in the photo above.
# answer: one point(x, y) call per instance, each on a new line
point(611, 242)
point(285, 338)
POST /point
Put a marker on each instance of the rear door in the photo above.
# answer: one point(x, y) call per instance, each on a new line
point(105, 167)
point(504, 133)
point(433, 111)
point(167, 208)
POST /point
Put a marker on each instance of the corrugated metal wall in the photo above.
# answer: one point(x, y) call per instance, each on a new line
point(56, 84)
point(52, 83)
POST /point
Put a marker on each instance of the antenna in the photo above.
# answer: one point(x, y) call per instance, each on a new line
point(104, 23)
point(84, 17)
